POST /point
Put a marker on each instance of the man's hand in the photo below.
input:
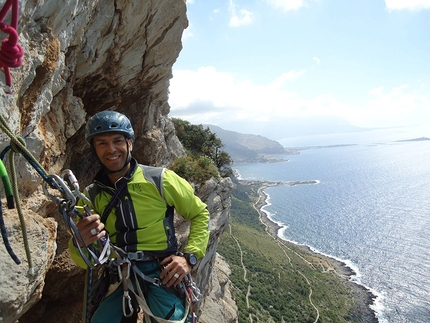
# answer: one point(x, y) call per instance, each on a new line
point(91, 229)
point(176, 268)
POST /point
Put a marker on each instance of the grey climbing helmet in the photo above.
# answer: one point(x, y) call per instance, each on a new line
point(108, 121)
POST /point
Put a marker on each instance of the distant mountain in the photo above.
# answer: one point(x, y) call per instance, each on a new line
point(246, 147)
point(282, 128)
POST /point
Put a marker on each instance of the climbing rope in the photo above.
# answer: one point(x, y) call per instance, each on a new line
point(11, 52)
point(17, 145)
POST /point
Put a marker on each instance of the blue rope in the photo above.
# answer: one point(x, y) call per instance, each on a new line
point(6, 240)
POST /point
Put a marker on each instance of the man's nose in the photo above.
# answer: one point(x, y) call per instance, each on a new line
point(110, 146)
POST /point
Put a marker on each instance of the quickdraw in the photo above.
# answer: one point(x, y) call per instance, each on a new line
point(67, 207)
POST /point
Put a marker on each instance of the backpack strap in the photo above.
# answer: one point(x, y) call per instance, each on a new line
point(155, 175)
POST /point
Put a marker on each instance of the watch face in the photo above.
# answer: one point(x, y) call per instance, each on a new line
point(192, 259)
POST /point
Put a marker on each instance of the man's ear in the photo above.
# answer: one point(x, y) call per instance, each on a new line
point(130, 144)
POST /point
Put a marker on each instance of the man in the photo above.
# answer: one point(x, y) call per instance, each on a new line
point(139, 219)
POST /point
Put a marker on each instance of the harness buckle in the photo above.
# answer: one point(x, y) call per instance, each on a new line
point(136, 256)
point(156, 281)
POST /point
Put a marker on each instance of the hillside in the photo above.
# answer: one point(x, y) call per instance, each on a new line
point(277, 281)
point(247, 147)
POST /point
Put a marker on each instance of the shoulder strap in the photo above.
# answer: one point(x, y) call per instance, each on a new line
point(155, 175)
point(152, 174)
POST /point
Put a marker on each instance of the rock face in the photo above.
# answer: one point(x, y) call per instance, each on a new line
point(82, 57)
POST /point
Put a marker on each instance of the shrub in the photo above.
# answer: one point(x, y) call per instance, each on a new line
point(195, 170)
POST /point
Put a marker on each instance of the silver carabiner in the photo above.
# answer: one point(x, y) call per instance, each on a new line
point(127, 299)
point(68, 175)
point(67, 194)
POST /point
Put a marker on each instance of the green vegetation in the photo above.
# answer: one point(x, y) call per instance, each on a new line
point(195, 169)
point(275, 281)
point(205, 157)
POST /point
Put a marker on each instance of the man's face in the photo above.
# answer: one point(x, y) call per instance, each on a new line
point(111, 149)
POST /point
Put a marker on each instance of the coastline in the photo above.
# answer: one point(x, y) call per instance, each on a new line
point(363, 297)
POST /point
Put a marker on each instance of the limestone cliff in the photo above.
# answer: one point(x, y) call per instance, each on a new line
point(81, 57)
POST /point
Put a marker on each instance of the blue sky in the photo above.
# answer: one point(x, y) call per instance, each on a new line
point(365, 62)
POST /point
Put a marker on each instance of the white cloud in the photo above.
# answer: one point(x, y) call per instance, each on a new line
point(407, 4)
point(399, 106)
point(243, 18)
point(279, 82)
point(210, 96)
point(287, 5)
point(316, 60)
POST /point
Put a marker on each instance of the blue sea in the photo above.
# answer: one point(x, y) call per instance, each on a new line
point(370, 210)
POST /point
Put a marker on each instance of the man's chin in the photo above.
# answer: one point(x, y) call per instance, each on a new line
point(113, 168)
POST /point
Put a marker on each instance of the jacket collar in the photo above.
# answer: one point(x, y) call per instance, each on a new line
point(103, 178)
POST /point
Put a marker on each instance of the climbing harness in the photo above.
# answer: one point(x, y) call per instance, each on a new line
point(120, 260)
point(11, 52)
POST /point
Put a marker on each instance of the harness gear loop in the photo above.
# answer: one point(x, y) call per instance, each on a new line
point(11, 52)
point(192, 289)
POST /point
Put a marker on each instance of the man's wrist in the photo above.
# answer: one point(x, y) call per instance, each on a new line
point(189, 257)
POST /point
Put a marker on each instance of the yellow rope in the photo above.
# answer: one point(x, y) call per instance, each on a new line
point(19, 209)
point(18, 145)
point(18, 141)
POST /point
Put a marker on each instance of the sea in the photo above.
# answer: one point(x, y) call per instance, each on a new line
point(369, 209)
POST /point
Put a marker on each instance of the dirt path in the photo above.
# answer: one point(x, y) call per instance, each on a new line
point(244, 273)
point(257, 206)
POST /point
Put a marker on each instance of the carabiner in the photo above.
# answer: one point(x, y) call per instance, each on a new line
point(67, 194)
point(127, 298)
point(68, 175)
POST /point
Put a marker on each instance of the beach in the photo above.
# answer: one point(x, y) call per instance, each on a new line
point(362, 296)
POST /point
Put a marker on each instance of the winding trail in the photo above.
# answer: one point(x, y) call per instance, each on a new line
point(244, 273)
point(261, 201)
point(241, 256)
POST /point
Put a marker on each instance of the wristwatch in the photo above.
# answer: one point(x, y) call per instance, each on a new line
point(190, 257)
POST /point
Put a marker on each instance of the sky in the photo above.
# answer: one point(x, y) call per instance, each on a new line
point(258, 65)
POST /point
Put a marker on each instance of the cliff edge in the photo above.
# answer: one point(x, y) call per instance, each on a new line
point(82, 57)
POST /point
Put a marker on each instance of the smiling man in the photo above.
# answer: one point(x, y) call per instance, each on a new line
point(135, 204)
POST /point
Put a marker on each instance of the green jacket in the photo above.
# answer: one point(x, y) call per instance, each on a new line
point(142, 218)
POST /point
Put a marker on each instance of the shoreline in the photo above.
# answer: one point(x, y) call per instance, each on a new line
point(363, 297)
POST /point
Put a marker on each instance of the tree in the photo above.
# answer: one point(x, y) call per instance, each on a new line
point(199, 141)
